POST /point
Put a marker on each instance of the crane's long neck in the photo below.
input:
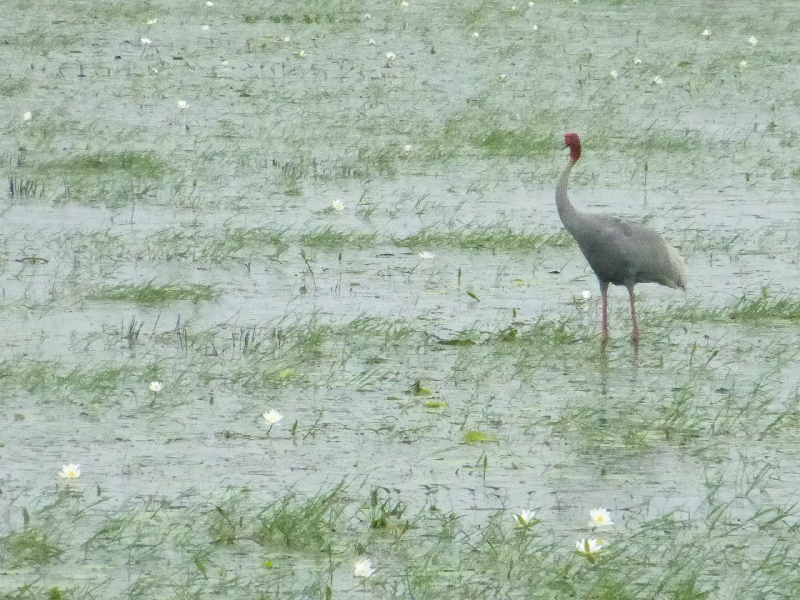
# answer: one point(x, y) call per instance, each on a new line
point(570, 217)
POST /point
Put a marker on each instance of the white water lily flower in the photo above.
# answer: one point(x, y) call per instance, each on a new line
point(301, 54)
point(614, 75)
point(182, 104)
point(657, 80)
point(206, 27)
point(363, 568)
point(706, 33)
point(600, 517)
point(536, 28)
point(503, 77)
point(27, 116)
point(390, 55)
point(287, 39)
point(588, 547)
point(426, 255)
point(525, 519)
point(209, 3)
point(152, 21)
point(586, 295)
point(476, 34)
point(371, 42)
point(752, 41)
point(526, 516)
point(70, 471)
point(146, 41)
point(404, 3)
point(530, 4)
point(272, 417)
point(637, 61)
point(743, 65)
point(337, 205)
point(408, 148)
point(156, 386)
point(367, 16)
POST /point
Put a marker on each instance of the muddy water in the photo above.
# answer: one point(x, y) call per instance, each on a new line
point(729, 203)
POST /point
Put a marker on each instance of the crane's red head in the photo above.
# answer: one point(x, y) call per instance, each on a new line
point(573, 142)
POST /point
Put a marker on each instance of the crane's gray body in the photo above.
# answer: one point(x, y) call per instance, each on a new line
point(618, 251)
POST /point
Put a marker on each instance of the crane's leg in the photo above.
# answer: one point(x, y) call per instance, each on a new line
point(635, 334)
point(604, 297)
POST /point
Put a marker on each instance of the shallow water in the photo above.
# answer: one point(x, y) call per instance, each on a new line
point(270, 140)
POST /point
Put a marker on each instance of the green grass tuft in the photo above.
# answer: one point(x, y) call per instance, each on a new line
point(308, 525)
point(374, 329)
point(673, 143)
point(151, 294)
point(784, 308)
point(97, 381)
point(515, 144)
point(132, 10)
point(226, 521)
point(313, 12)
point(745, 310)
point(381, 512)
point(139, 165)
point(257, 242)
point(547, 333)
point(490, 237)
point(331, 238)
point(32, 545)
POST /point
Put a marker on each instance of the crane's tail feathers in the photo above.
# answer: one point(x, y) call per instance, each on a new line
point(677, 273)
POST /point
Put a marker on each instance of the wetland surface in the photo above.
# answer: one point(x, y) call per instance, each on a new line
point(344, 211)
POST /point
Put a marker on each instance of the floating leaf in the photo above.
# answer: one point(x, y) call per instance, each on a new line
point(477, 437)
point(436, 404)
point(418, 390)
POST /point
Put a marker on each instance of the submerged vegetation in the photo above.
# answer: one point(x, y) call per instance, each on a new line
point(496, 238)
point(151, 294)
point(419, 554)
point(760, 309)
point(764, 307)
point(288, 311)
point(142, 165)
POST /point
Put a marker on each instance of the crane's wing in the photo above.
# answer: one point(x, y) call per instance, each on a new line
point(626, 253)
